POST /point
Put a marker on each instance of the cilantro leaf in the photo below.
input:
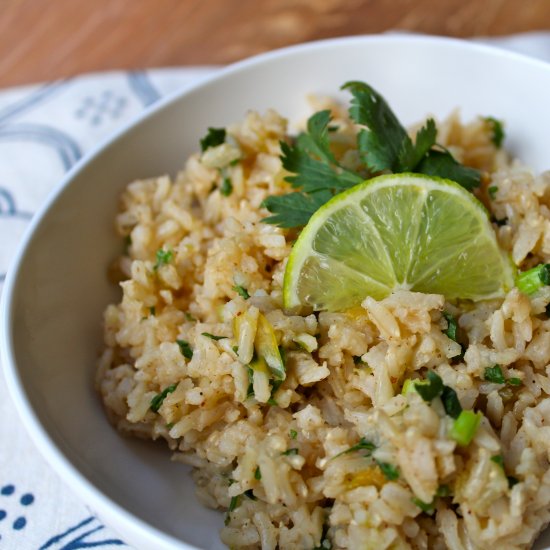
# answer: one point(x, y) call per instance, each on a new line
point(497, 130)
point(163, 257)
point(241, 291)
point(227, 187)
point(214, 137)
point(213, 336)
point(294, 209)
point(185, 349)
point(494, 374)
point(444, 165)
point(384, 140)
point(452, 326)
point(425, 140)
point(432, 389)
point(363, 444)
point(312, 161)
point(157, 401)
point(450, 401)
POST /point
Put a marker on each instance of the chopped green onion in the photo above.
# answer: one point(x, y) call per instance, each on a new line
point(157, 401)
point(465, 426)
point(257, 473)
point(290, 452)
point(213, 336)
point(533, 279)
point(426, 507)
point(185, 349)
point(432, 388)
point(293, 434)
point(163, 257)
point(389, 470)
point(241, 291)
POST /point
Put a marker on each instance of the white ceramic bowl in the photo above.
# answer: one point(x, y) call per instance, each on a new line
point(55, 294)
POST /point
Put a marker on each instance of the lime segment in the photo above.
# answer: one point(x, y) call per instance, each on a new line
point(401, 231)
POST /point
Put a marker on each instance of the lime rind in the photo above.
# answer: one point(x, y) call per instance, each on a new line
point(406, 231)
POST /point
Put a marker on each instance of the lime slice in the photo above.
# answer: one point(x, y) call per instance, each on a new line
point(401, 231)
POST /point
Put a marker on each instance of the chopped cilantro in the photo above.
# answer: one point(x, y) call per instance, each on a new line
point(533, 279)
point(257, 473)
point(389, 470)
point(293, 434)
point(452, 325)
point(363, 444)
point(289, 452)
point(163, 257)
point(214, 137)
point(492, 190)
point(170, 425)
point(494, 374)
point(497, 130)
point(213, 336)
point(235, 349)
point(185, 349)
point(432, 389)
point(498, 459)
point(234, 162)
point(426, 507)
point(227, 187)
point(157, 401)
point(450, 402)
point(241, 291)
point(443, 491)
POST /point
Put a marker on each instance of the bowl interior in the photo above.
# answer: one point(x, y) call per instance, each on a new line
point(57, 291)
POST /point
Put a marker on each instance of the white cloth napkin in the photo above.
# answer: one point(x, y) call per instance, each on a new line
point(44, 130)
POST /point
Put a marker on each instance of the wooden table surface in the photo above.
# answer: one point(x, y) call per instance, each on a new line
point(47, 39)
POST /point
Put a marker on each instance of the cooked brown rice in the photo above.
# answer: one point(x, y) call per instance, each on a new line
point(278, 460)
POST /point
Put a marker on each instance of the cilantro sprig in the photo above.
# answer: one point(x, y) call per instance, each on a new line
point(383, 145)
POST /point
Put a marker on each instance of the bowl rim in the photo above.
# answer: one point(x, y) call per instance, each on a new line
point(53, 455)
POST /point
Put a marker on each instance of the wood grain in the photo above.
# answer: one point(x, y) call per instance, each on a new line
point(47, 39)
